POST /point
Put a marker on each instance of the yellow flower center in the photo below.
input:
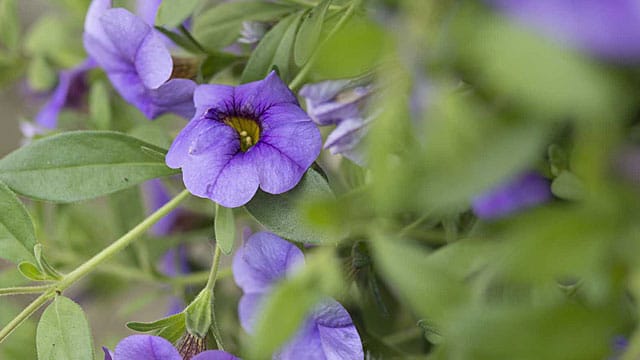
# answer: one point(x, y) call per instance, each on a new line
point(248, 131)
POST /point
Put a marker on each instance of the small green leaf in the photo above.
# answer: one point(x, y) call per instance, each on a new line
point(99, 106)
point(567, 186)
point(158, 324)
point(17, 234)
point(9, 25)
point(43, 265)
point(221, 25)
point(41, 75)
point(63, 332)
point(225, 229)
point(181, 40)
point(199, 315)
point(282, 215)
point(80, 165)
point(273, 50)
point(31, 271)
point(309, 33)
point(172, 13)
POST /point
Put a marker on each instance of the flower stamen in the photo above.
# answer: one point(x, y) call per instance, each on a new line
point(248, 131)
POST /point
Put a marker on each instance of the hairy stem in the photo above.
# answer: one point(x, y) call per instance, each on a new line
point(21, 290)
point(211, 283)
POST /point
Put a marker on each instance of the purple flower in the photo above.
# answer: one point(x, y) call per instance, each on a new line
point(148, 347)
point(341, 103)
point(524, 191)
point(327, 333)
point(136, 60)
point(147, 10)
point(245, 137)
point(156, 195)
point(70, 92)
point(606, 28)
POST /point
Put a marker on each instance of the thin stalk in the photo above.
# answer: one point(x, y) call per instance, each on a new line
point(211, 283)
point(21, 290)
point(92, 263)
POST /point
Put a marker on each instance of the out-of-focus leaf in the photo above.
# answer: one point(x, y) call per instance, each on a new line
point(9, 25)
point(221, 25)
point(309, 33)
point(225, 229)
point(274, 50)
point(533, 71)
point(355, 49)
point(17, 234)
point(63, 332)
point(49, 38)
point(80, 165)
point(282, 215)
point(21, 344)
point(432, 290)
point(173, 13)
point(99, 106)
point(567, 186)
point(40, 74)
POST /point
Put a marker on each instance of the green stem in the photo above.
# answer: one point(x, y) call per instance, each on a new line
point(92, 263)
point(21, 290)
point(302, 74)
point(211, 283)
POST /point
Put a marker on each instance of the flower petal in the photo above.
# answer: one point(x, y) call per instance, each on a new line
point(146, 347)
point(175, 96)
point(249, 310)
point(108, 355)
point(307, 344)
point(255, 97)
point(264, 259)
point(214, 355)
point(212, 96)
point(284, 154)
point(139, 45)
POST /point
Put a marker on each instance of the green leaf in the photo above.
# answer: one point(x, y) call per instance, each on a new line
point(9, 25)
point(173, 12)
point(199, 315)
point(80, 165)
point(567, 186)
point(180, 40)
point(47, 270)
point(430, 288)
point(225, 229)
point(282, 215)
point(31, 271)
point(221, 25)
point(273, 50)
point(17, 234)
point(309, 33)
point(158, 324)
point(63, 332)
point(291, 301)
point(40, 75)
point(100, 106)
point(49, 38)
point(21, 344)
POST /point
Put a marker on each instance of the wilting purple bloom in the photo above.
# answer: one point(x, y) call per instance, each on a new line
point(136, 60)
point(606, 28)
point(245, 137)
point(148, 347)
point(341, 103)
point(524, 191)
point(70, 92)
point(327, 333)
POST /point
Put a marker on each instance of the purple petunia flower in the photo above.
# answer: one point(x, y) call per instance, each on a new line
point(606, 28)
point(524, 191)
point(148, 347)
point(70, 92)
point(341, 103)
point(245, 137)
point(327, 333)
point(136, 60)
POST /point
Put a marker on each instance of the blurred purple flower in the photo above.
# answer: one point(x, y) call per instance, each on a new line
point(524, 191)
point(148, 347)
point(245, 137)
point(136, 60)
point(327, 333)
point(606, 28)
point(147, 10)
point(341, 103)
